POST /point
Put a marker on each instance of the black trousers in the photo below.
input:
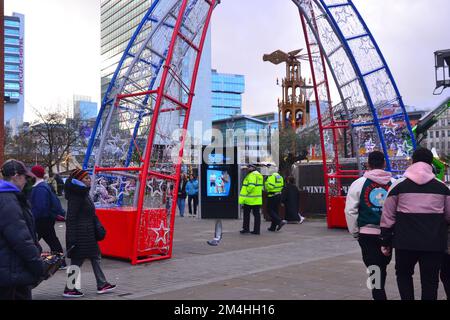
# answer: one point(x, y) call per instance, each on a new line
point(372, 256)
point(15, 293)
point(195, 200)
point(273, 204)
point(429, 263)
point(256, 214)
point(45, 229)
point(445, 274)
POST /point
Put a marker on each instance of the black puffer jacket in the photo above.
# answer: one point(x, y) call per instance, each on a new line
point(20, 253)
point(80, 223)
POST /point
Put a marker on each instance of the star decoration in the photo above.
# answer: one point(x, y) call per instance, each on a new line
point(366, 45)
point(381, 89)
point(407, 148)
point(370, 146)
point(343, 16)
point(390, 127)
point(161, 233)
point(339, 70)
point(327, 35)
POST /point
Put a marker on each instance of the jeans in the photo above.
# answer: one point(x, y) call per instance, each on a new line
point(429, 263)
point(194, 199)
point(99, 275)
point(256, 214)
point(181, 205)
point(273, 204)
point(372, 256)
point(15, 293)
point(445, 274)
point(45, 229)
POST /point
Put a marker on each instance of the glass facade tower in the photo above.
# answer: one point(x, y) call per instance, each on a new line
point(227, 90)
point(14, 70)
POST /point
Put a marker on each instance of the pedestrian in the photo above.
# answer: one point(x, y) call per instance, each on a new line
point(415, 219)
point(445, 269)
point(21, 265)
point(290, 198)
point(181, 201)
point(274, 185)
point(363, 210)
point(52, 183)
point(81, 231)
point(251, 199)
point(192, 192)
point(45, 207)
point(59, 185)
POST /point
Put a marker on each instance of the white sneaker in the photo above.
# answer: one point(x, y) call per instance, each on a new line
point(302, 219)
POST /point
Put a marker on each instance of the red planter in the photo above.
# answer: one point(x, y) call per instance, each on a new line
point(336, 213)
point(120, 225)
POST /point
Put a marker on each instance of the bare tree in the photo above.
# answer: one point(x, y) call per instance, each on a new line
point(54, 136)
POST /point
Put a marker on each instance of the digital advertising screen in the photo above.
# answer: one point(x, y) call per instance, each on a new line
point(218, 181)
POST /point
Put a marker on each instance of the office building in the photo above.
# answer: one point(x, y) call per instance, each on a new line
point(227, 90)
point(14, 71)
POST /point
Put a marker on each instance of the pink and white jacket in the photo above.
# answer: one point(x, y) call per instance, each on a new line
point(416, 212)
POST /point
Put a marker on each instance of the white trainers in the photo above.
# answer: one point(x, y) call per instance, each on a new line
point(302, 219)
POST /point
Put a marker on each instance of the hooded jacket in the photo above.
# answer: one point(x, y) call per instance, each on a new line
point(20, 253)
point(365, 201)
point(416, 212)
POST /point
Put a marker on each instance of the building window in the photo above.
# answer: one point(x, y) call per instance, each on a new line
point(443, 134)
point(437, 134)
point(431, 135)
point(432, 145)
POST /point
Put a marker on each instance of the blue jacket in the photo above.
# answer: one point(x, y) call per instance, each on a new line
point(20, 253)
point(192, 187)
point(44, 203)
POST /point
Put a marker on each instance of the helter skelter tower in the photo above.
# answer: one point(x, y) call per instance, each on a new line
point(135, 151)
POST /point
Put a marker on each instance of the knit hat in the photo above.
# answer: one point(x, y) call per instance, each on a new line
point(38, 171)
point(78, 174)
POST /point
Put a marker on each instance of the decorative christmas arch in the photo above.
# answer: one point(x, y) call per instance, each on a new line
point(150, 96)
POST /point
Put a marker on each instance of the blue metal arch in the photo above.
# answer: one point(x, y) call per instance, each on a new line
point(361, 76)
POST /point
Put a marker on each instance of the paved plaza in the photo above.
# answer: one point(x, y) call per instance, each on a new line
point(301, 262)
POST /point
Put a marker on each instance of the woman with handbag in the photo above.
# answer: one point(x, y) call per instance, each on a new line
point(83, 230)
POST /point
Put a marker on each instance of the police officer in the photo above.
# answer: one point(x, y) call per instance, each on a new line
point(251, 198)
point(274, 185)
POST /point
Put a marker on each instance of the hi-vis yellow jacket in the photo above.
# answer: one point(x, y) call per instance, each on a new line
point(274, 185)
point(251, 191)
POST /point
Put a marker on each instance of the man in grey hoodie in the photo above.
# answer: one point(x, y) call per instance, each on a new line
point(363, 209)
point(415, 219)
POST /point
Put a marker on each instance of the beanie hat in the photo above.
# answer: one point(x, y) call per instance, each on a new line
point(38, 171)
point(78, 174)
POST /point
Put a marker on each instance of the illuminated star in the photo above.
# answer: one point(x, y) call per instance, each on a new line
point(161, 231)
point(342, 16)
point(366, 45)
point(407, 148)
point(370, 146)
point(390, 127)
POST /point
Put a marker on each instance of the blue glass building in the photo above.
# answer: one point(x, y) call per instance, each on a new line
point(14, 70)
point(227, 90)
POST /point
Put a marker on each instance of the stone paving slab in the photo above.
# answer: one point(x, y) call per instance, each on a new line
point(300, 262)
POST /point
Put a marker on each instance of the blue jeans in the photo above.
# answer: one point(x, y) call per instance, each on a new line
point(181, 204)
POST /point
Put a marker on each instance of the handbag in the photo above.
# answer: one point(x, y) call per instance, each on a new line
point(100, 231)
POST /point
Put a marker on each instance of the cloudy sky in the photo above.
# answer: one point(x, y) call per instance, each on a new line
point(62, 46)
